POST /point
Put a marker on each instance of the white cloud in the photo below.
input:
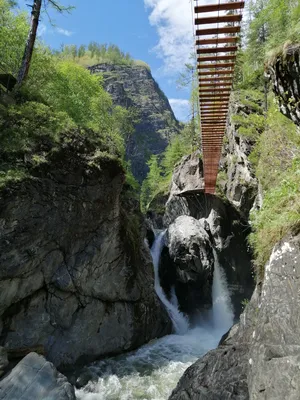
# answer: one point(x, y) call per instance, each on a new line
point(173, 21)
point(64, 31)
point(181, 108)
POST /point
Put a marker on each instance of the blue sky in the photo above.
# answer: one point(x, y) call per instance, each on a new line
point(158, 32)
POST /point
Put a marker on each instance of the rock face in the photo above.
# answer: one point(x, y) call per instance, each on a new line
point(259, 360)
point(73, 284)
point(191, 254)
point(35, 378)
point(187, 181)
point(284, 74)
point(240, 185)
point(188, 175)
point(223, 223)
point(3, 360)
point(134, 87)
point(275, 349)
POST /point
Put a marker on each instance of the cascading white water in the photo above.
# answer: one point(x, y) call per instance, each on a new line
point(152, 371)
point(222, 309)
point(179, 321)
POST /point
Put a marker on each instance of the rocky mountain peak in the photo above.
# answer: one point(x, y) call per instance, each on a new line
point(134, 87)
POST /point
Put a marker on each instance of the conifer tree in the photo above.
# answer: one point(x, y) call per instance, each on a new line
point(35, 17)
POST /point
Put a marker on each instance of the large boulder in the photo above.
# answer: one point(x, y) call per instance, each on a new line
point(76, 280)
point(192, 256)
point(34, 378)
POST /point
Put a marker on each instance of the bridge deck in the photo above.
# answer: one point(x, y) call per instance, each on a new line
point(216, 46)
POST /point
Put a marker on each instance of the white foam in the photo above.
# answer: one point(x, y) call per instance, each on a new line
point(180, 322)
point(222, 309)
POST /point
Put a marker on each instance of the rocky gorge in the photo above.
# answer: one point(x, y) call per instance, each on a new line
point(259, 357)
point(80, 293)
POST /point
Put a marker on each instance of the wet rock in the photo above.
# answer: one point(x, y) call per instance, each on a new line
point(150, 235)
point(3, 360)
point(85, 377)
point(191, 253)
point(35, 378)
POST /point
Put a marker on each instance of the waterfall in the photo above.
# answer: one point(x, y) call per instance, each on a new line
point(152, 371)
point(180, 322)
point(222, 308)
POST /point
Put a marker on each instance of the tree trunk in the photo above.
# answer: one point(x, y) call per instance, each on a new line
point(35, 15)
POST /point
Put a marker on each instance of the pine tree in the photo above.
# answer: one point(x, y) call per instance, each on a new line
point(35, 17)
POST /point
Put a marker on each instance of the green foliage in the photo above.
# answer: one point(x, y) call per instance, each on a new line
point(276, 159)
point(250, 126)
point(77, 92)
point(140, 63)
point(161, 168)
point(58, 96)
point(252, 99)
point(189, 79)
point(13, 34)
point(276, 154)
point(279, 215)
point(96, 53)
point(276, 148)
point(11, 175)
point(173, 154)
point(272, 24)
point(22, 126)
point(151, 185)
point(245, 302)
point(131, 182)
point(222, 179)
point(250, 121)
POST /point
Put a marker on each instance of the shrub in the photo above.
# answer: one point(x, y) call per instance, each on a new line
point(279, 215)
point(21, 126)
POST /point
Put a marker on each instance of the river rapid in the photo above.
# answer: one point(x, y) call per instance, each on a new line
point(153, 371)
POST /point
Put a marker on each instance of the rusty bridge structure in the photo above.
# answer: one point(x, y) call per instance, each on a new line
point(217, 28)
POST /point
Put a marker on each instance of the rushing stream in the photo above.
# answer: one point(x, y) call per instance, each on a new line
point(152, 372)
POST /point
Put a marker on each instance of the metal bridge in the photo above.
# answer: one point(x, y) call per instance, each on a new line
point(217, 28)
